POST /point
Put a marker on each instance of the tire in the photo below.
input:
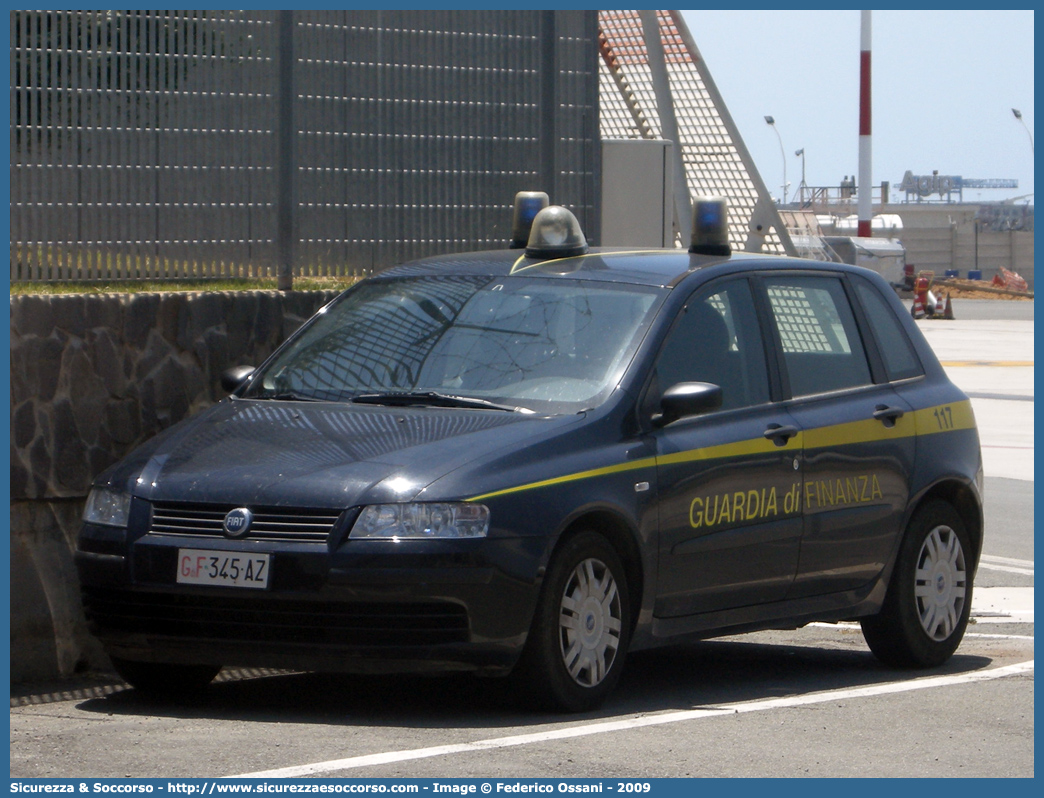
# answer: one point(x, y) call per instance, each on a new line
point(576, 648)
point(929, 598)
point(163, 679)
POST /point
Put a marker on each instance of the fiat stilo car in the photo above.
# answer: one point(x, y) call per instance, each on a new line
point(529, 462)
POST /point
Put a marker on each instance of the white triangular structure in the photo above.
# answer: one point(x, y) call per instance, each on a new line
point(716, 161)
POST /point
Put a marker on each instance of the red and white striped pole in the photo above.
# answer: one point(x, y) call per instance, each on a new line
point(865, 205)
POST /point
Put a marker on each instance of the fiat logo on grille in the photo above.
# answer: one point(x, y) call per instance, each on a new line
point(237, 522)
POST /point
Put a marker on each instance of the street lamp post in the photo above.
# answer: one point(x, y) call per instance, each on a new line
point(1018, 115)
point(803, 185)
point(772, 124)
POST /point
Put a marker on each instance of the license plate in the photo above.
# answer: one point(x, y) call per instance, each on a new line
point(222, 568)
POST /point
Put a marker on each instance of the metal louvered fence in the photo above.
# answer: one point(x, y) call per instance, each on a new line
point(192, 144)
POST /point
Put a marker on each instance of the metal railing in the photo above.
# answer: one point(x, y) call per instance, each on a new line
point(192, 144)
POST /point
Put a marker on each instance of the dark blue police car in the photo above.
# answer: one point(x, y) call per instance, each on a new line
point(531, 462)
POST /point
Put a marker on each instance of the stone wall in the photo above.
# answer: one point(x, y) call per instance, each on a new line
point(92, 376)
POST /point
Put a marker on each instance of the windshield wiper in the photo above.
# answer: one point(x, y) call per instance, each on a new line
point(433, 399)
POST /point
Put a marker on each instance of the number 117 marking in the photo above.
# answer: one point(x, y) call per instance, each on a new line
point(944, 417)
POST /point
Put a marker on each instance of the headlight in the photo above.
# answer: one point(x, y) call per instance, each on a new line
point(422, 521)
point(108, 507)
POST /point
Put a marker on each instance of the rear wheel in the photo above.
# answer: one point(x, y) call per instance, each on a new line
point(165, 679)
point(929, 599)
point(576, 648)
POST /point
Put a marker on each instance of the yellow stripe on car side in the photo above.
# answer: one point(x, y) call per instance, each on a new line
point(868, 430)
point(645, 462)
point(928, 421)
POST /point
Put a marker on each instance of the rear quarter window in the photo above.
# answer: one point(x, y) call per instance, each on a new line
point(900, 359)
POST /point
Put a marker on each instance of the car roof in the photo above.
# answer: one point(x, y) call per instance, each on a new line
point(652, 267)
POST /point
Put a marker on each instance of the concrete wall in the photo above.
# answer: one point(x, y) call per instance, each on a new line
point(938, 237)
point(92, 376)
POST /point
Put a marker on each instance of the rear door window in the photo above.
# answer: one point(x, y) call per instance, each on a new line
point(822, 350)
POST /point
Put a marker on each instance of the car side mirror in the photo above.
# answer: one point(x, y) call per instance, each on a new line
point(687, 399)
point(232, 379)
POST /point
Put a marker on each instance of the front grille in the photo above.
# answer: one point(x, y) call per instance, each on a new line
point(270, 523)
point(273, 620)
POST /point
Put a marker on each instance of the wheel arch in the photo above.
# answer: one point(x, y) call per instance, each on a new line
point(622, 536)
point(966, 501)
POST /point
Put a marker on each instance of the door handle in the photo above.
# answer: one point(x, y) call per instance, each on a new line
point(888, 415)
point(779, 434)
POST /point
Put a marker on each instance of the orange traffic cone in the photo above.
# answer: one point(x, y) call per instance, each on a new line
point(917, 311)
point(948, 312)
point(920, 304)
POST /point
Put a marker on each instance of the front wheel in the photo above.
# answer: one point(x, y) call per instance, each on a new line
point(576, 647)
point(926, 610)
point(164, 679)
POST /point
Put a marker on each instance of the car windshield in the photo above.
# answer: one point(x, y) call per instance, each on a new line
point(544, 345)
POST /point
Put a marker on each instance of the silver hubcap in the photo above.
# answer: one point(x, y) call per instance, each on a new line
point(590, 622)
point(941, 583)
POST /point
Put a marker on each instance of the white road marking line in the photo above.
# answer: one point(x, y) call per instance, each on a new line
point(1006, 569)
point(390, 757)
point(1007, 561)
point(999, 637)
point(853, 626)
point(833, 625)
point(1007, 564)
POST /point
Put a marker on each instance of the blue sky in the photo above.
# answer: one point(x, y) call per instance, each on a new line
point(944, 84)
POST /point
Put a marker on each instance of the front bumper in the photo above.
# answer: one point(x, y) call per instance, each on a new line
point(365, 606)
